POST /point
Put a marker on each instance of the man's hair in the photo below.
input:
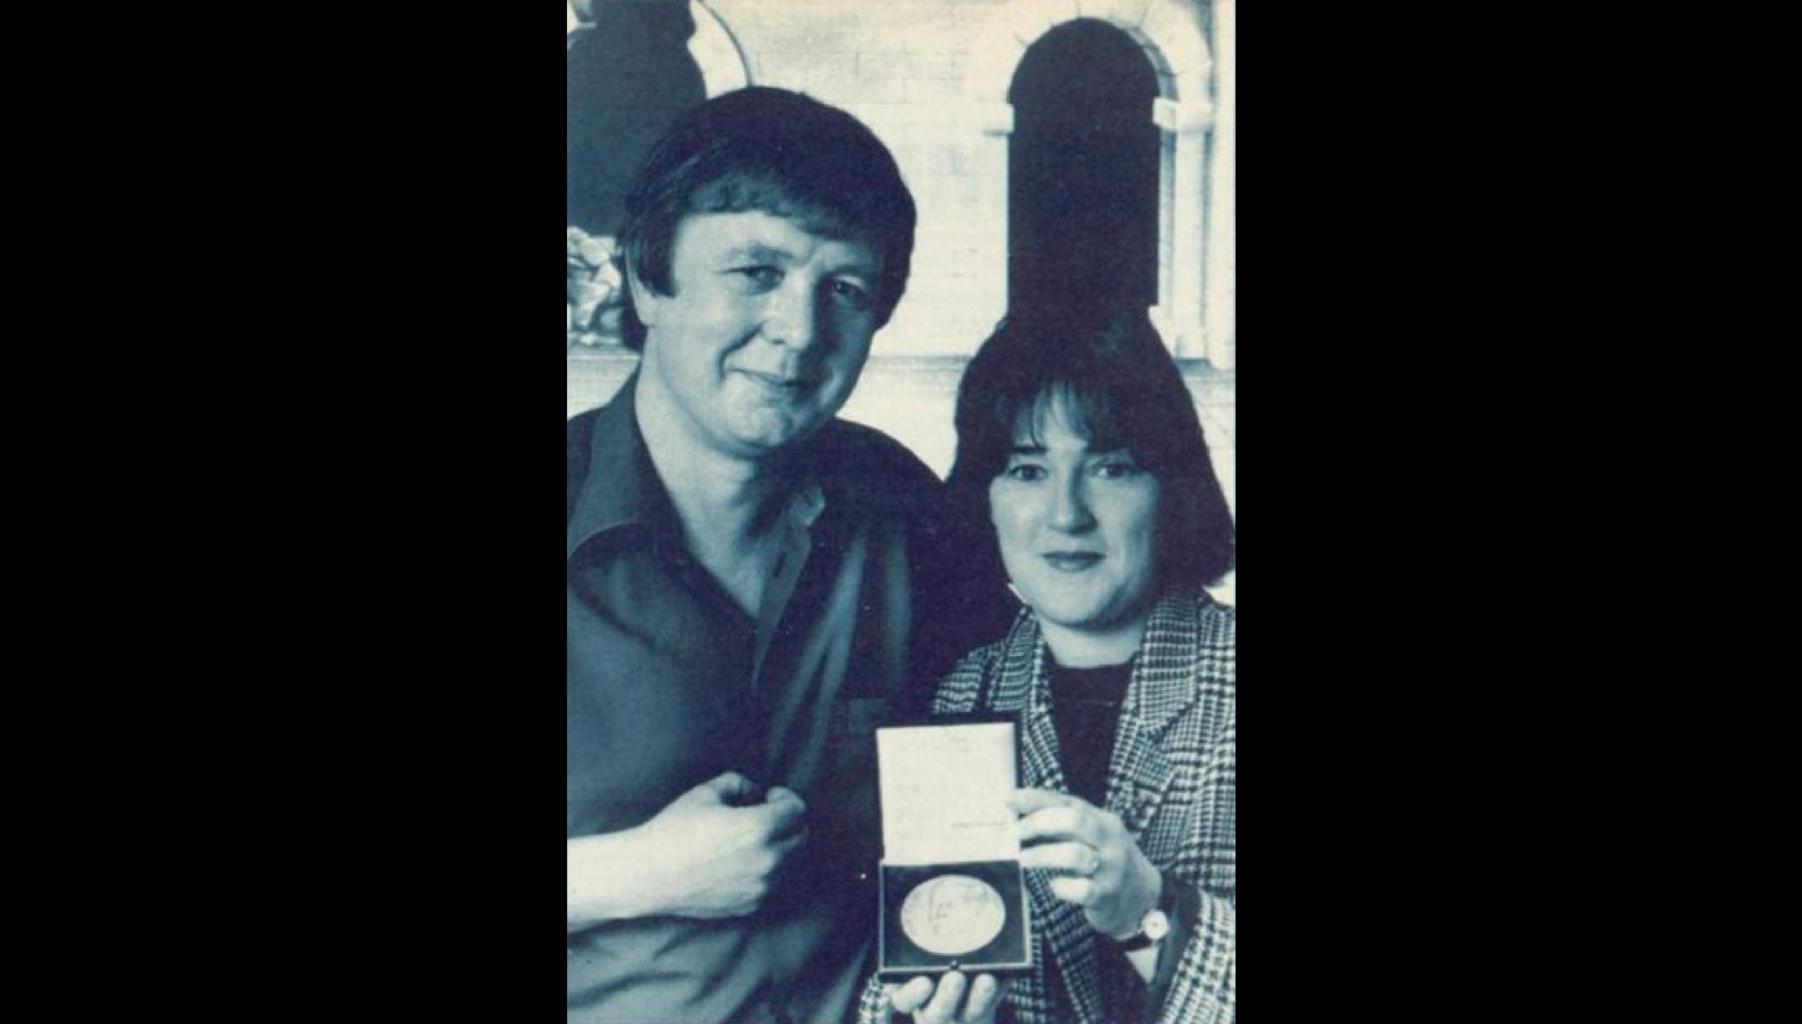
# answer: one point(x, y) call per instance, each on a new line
point(774, 151)
point(1118, 385)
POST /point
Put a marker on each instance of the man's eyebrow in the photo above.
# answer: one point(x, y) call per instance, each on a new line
point(860, 267)
point(759, 251)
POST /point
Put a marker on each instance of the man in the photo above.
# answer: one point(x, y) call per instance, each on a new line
point(749, 579)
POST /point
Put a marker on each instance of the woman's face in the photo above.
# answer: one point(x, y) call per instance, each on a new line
point(1077, 527)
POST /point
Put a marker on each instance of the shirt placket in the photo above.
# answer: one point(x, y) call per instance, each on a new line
point(791, 560)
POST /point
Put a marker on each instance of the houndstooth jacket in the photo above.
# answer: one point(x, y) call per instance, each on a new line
point(1171, 780)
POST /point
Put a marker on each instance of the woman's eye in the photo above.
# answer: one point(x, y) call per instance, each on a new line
point(1116, 469)
point(850, 295)
point(1025, 471)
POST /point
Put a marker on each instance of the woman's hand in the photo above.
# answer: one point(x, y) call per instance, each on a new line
point(939, 1006)
point(1098, 866)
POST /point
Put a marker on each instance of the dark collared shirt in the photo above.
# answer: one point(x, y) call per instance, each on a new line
point(670, 683)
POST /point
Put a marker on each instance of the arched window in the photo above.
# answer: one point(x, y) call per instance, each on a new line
point(1083, 170)
point(1194, 305)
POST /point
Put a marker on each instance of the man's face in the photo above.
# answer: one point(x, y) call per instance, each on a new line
point(765, 331)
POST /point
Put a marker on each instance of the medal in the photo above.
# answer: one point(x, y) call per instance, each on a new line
point(952, 915)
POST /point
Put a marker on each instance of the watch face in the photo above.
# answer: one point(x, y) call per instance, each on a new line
point(1156, 925)
point(953, 914)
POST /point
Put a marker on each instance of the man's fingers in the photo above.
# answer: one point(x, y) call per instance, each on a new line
point(1076, 858)
point(911, 996)
point(785, 812)
point(985, 992)
point(785, 845)
point(785, 795)
point(1080, 891)
point(733, 788)
point(943, 1008)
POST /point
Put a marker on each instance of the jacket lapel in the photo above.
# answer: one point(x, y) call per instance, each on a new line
point(1161, 689)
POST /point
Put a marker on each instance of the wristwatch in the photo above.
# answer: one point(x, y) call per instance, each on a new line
point(1152, 927)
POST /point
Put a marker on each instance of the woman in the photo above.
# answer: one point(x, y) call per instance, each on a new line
point(1082, 472)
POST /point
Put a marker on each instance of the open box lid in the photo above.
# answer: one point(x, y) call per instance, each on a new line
point(943, 787)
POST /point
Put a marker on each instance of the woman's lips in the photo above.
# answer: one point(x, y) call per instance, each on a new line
point(1071, 561)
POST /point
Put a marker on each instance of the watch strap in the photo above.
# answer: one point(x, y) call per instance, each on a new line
point(1140, 939)
point(1137, 940)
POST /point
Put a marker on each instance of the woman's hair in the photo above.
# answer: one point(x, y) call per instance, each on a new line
point(777, 152)
point(1117, 385)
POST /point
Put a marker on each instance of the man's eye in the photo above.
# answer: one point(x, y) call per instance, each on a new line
point(760, 276)
point(1024, 471)
point(851, 295)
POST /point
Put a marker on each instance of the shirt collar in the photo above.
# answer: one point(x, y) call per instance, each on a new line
point(621, 487)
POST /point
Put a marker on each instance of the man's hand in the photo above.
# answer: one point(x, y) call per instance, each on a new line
point(719, 849)
point(940, 1006)
point(1100, 868)
point(712, 852)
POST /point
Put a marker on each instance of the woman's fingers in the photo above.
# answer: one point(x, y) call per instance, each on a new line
point(1080, 824)
point(1080, 891)
point(938, 1004)
point(911, 996)
point(985, 994)
point(943, 1007)
point(1074, 858)
point(1026, 801)
point(1084, 847)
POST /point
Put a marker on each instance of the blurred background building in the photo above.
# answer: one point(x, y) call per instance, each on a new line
point(1053, 147)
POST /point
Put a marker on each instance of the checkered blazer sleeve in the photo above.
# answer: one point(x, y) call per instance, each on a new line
point(1204, 985)
point(873, 1006)
point(1203, 988)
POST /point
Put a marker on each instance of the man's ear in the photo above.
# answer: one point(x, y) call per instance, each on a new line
point(645, 300)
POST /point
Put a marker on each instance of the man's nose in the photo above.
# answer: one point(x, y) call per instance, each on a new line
point(792, 318)
point(1070, 506)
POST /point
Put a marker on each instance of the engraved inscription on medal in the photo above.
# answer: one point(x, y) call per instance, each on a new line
point(953, 914)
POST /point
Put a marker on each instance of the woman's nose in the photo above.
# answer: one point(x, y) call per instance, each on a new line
point(1070, 507)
